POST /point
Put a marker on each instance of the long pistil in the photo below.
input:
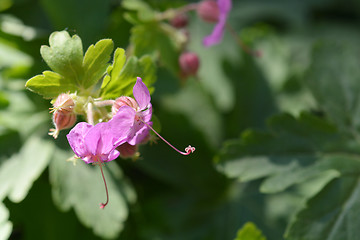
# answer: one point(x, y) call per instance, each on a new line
point(188, 149)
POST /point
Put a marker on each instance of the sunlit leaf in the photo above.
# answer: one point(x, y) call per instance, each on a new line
point(50, 84)
point(96, 61)
point(64, 55)
point(71, 71)
point(121, 78)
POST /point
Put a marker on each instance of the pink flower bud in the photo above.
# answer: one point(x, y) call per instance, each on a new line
point(179, 21)
point(127, 151)
point(189, 63)
point(64, 103)
point(62, 120)
point(123, 101)
point(63, 114)
point(208, 11)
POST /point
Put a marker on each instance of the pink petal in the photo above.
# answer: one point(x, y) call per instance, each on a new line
point(141, 94)
point(138, 133)
point(216, 36)
point(224, 6)
point(97, 141)
point(113, 155)
point(76, 139)
point(121, 123)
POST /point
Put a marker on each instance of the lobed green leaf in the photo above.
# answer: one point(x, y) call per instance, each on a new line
point(71, 71)
point(64, 55)
point(20, 171)
point(81, 187)
point(333, 213)
point(121, 78)
point(336, 84)
point(50, 84)
point(96, 61)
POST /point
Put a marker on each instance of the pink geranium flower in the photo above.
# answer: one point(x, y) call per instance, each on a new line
point(96, 144)
point(217, 34)
point(136, 116)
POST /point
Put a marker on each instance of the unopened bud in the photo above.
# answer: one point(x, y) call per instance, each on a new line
point(127, 151)
point(123, 101)
point(208, 11)
point(189, 63)
point(179, 21)
point(63, 114)
point(62, 120)
point(64, 103)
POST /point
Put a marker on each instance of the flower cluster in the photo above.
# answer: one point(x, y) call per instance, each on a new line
point(105, 141)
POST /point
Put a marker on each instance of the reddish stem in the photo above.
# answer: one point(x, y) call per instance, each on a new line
point(102, 205)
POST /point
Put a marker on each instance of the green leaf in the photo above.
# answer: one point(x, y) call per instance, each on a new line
point(249, 232)
point(162, 41)
point(50, 84)
point(289, 153)
point(334, 212)
point(72, 71)
point(195, 103)
point(96, 61)
point(144, 13)
point(18, 173)
point(121, 78)
point(81, 187)
point(5, 224)
point(334, 80)
point(115, 69)
point(64, 56)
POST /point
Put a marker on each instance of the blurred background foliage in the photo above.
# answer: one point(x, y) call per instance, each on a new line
point(233, 112)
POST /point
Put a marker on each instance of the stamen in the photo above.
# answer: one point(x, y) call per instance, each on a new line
point(188, 150)
point(102, 205)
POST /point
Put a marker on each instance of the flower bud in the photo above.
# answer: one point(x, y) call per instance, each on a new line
point(64, 103)
point(127, 151)
point(62, 120)
point(189, 63)
point(179, 21)
point(208, 11)
point(123, 101)
point(63, 114)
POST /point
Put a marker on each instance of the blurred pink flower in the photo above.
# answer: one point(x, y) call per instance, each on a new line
point(217, 34)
